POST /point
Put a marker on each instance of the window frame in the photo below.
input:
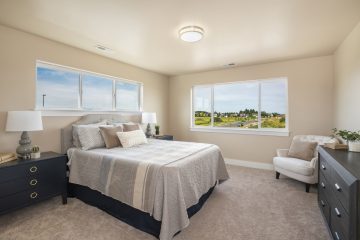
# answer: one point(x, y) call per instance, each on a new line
point(245, 131)
point(80, 111)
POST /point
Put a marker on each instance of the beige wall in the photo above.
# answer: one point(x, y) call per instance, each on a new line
point(310, 84)
point(347, 82)
point(18, 53)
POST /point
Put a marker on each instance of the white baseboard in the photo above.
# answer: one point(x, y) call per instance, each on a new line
point(249, 164)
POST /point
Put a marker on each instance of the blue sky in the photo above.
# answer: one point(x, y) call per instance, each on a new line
point(62, 91)
point(61, 88)
point(239, 96)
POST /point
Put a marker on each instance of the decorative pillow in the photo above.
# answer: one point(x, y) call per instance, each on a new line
point(109, 135)
point(90, 137)
point(132, 138)
point(302, 150)
point(131, 127)
point(76, 141)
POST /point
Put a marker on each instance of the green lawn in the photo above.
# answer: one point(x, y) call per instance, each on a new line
point(246, 122)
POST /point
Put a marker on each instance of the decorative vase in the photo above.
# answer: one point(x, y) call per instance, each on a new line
point(35, 155)
point(354, 146)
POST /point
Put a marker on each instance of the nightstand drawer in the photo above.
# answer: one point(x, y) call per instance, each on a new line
point(340, 220)
point(323, 184)
point(341, 189)
point(25, 198)
point(25, 170)
point(50, 179)
point(325, 168)
point(31, 169)
point(324, 205)
point(18, 185)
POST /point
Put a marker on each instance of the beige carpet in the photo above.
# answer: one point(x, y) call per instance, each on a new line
point(252, 205)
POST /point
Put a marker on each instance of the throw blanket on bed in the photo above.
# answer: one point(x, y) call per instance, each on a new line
point(151, 177)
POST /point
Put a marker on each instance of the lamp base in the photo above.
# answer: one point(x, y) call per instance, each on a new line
point(24, 149)
point(148, 131)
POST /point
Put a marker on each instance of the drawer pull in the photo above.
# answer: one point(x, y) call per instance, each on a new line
point(33, 182)
point(323, 167)
point(337, 212)
point(323, 185)
point(322, 203)
point(338, 188)
point(33, 169)
point(33, 195)
point(337, 236)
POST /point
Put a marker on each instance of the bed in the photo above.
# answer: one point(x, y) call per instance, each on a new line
point(155, 187)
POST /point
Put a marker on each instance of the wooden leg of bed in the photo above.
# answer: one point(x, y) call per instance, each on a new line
point(277, 175)
point(307, 187)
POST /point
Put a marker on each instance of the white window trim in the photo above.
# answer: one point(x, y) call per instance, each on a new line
point(81, 111)
point(246, 131)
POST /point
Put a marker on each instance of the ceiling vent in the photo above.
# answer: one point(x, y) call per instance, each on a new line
point(103, 48)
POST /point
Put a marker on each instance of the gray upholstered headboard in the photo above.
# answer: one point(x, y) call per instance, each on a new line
point(66, 133)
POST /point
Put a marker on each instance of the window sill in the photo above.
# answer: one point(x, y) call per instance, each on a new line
point(263, 132)
point(79, 113)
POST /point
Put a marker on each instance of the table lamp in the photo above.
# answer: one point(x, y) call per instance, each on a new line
point(24, 121)
point(149, 118)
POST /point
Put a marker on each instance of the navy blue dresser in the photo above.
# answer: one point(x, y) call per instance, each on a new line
point(25, 182)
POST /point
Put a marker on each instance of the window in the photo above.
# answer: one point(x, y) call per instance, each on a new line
point(97, 93)
point(202, 106)
point(259, 105)
point(63, 88)
point(127, 96)
point(60, 88)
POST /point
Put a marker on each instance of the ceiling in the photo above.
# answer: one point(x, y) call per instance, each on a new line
point(145, 33)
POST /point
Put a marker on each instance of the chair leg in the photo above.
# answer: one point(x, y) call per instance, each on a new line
point(307, 185)
point(277, 175)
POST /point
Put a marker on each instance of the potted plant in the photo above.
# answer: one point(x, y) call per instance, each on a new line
point(35, 152)
point(157, 130)
point(352, 138)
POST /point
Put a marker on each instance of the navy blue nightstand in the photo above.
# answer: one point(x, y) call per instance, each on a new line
point(164, 137)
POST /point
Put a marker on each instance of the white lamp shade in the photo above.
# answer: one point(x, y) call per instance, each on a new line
point(148, 117)
point(18, 121)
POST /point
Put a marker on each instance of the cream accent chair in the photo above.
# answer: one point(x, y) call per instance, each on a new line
point(301, 170)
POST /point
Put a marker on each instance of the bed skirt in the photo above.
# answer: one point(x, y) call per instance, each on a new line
point(132, 216)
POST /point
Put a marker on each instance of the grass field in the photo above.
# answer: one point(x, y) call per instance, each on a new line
point(241, 122)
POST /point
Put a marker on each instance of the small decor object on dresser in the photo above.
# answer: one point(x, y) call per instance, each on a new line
point(7, 157)
point(157, 130)
point(25, 182)
point(352, 138)
point(35, 152)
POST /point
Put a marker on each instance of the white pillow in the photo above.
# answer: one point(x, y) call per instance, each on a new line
point(90, 137)
point(76, 140)
point(132, 138)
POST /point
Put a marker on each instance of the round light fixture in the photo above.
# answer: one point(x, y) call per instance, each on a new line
point(191, 33)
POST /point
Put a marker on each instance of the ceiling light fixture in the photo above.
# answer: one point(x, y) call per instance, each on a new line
point(191, 33)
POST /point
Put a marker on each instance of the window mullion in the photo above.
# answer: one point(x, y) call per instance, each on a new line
point(259, 105)
point(114, 95)
point(212, 106)
point(80, 105)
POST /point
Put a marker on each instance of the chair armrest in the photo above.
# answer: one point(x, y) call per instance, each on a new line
point(313, 162)
point(282, 152)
